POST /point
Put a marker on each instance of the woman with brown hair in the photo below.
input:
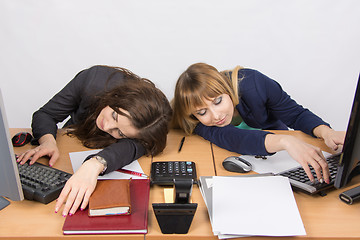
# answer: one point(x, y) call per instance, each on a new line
point(109, 108)
point(231, 108)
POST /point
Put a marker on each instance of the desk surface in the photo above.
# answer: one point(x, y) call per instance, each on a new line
point(323, 217)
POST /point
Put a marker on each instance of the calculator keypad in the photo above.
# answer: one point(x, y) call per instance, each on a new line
point(164, 173)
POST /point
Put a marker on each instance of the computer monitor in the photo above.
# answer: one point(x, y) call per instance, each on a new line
point(350, 156)
point(10, 185)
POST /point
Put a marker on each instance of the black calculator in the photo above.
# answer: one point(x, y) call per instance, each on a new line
point(164, 173)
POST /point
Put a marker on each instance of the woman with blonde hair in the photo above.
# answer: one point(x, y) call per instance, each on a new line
point(231, 108)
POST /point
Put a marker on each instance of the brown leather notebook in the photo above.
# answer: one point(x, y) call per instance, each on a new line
point(111, 197)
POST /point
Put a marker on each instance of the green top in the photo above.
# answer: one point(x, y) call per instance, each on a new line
point(239, 123)
point(243, 125)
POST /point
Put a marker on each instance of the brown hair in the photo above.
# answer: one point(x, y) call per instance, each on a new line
point(149, 112)
point(198, 83)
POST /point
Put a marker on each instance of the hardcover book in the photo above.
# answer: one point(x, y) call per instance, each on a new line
point(136, 222)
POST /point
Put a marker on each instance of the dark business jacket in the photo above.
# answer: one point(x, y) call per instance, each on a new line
point(264, 105)
point(74, 100)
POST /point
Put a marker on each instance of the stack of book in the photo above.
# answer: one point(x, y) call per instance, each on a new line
point(117, 207)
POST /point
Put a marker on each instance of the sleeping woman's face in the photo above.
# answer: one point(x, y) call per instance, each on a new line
point(116, 125)
point(217, 111)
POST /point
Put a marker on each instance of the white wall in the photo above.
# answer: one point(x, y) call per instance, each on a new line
point(311, 47)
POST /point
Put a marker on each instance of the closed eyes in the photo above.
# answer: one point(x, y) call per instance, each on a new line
point(216, 101)
point(121, 134)
point(115, 117)
point(201, 112)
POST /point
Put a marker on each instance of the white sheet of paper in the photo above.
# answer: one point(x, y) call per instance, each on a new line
point(262, 206)
point(276, 163)
point(228, 236)
point(77, 159)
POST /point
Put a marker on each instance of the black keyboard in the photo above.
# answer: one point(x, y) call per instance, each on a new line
point(42, 183)
point(164, 173)
point(300, 181)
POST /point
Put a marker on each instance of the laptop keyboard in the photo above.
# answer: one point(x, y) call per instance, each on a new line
point(42, 183)
point(300, 181)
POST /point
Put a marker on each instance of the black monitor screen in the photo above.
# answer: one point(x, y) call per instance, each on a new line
point(349, 160)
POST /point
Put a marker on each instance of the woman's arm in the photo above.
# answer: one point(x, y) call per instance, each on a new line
point(242, 141)
point(59, 107)
point(81, 185)
point(281, 105)
point(333, 139)
point(72, 100)
point(44, 122)
point(302, 152)
point(263, 102)
point(47, 147)
point(121, 153)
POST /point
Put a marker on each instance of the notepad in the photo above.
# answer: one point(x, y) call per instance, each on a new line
point(110, 197)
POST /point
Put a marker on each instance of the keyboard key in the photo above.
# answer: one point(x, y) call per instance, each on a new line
point(299, 179)
point(41, 183)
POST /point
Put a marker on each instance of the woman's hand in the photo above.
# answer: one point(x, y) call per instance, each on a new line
point(47, 147)
point(333, 139)
point(79, 187)
point(302, 152)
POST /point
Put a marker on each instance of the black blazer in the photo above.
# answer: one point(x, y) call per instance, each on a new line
point(73, 100)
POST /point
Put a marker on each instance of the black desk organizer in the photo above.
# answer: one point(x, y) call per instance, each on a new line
point(176, 217)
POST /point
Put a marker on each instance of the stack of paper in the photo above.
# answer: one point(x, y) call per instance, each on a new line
point(251, 206)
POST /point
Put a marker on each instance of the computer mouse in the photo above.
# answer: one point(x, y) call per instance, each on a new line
point(21, 138)
point(237, 164)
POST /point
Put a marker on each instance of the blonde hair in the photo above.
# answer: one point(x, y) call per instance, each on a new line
point(234, 79)
point(198, 83)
